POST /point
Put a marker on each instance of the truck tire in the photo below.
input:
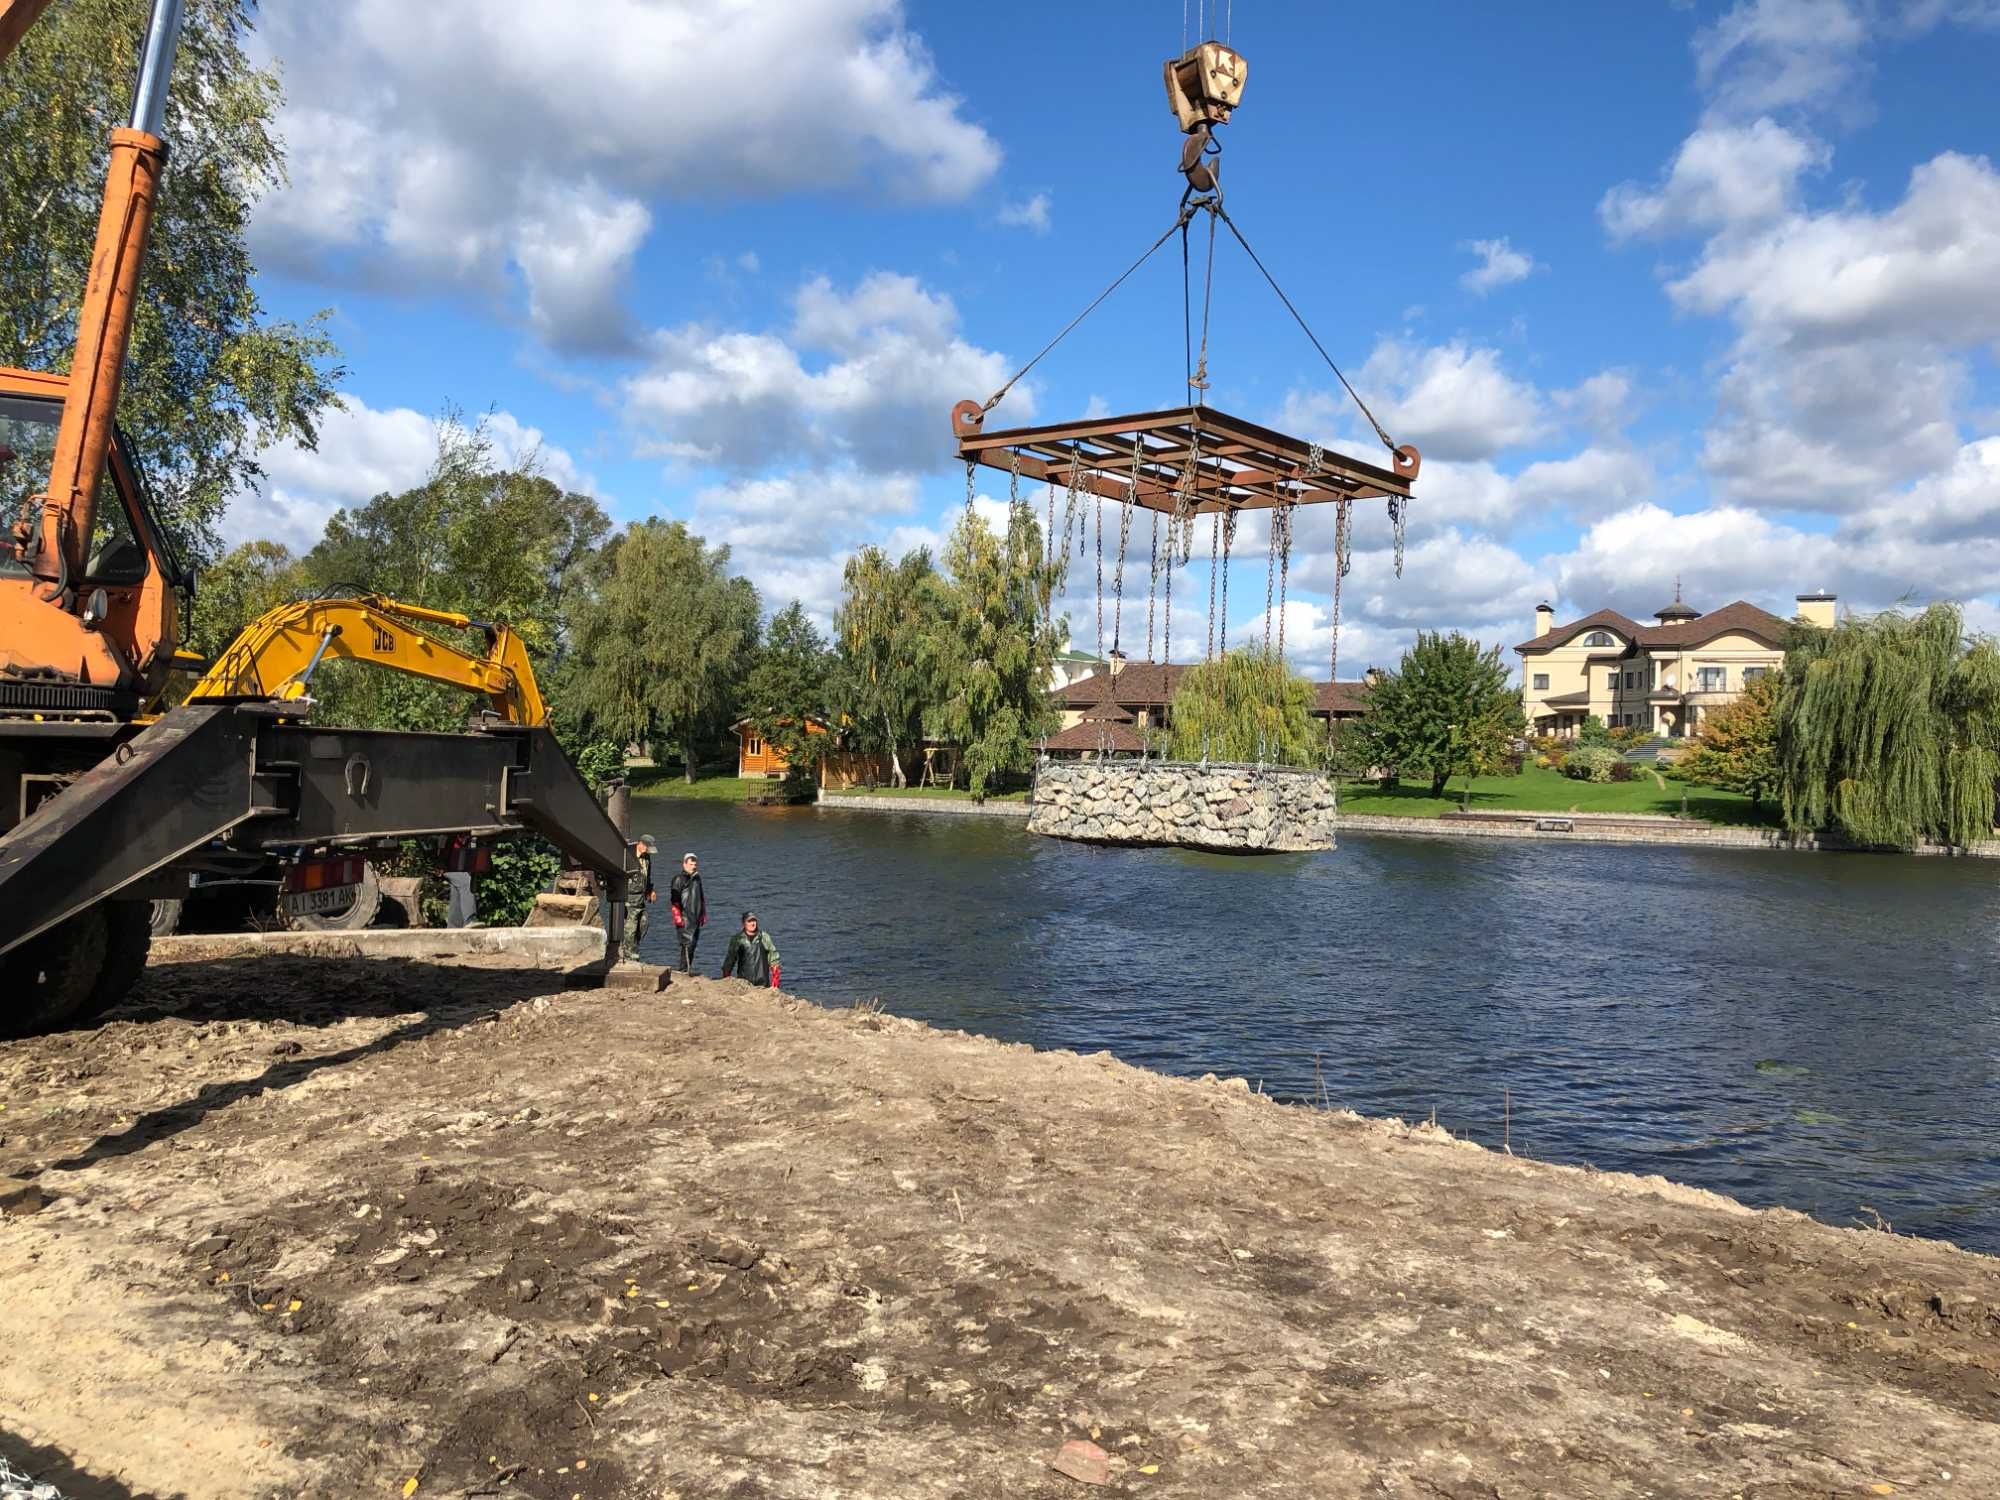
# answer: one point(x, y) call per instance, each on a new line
point(128, 939)
point(367, 901)
point(166, 917)
point(50, 979)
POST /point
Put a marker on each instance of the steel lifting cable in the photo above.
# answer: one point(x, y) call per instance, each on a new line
point(1381, 432)
point(998, 396)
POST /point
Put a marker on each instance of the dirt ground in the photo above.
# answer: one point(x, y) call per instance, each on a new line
point(326, 1228)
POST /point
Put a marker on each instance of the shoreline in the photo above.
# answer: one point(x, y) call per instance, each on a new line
point(436, 1222)
point(1587, 828)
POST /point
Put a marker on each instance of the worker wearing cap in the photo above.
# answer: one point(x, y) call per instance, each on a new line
point(636, 915)
point(689, 904)
point(751, 955)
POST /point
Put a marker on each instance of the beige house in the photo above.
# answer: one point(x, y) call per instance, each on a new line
point(1660, 677)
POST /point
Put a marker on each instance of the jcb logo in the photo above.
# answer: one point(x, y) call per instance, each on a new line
point(384, 641)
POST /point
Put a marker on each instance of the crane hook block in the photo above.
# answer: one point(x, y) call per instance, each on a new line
point(1204, 84)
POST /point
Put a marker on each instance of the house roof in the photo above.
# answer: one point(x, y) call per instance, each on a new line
point(1107, 712)
point(1091, 734)
point(1741, 616)
point(1153, 684)
point(1568, 700)
point(1340, 697)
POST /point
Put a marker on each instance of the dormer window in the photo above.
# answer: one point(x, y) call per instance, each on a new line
point(1599, 638)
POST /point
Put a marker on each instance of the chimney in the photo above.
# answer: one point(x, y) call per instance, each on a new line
point(1117, 662)
point(1818, 608)
point(1545, 619)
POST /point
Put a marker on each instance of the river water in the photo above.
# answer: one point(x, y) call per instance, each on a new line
point(1817, 1031)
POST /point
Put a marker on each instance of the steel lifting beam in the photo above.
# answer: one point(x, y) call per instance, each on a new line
point(257, 780)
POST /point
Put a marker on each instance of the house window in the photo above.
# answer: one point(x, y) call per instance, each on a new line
point(1611, 681)
point(753, 745)
point(1648, 720)
point(1631, 679)
point(1541, 682)
point(1751, 673)
point(1599, 638)
point(1713, 679)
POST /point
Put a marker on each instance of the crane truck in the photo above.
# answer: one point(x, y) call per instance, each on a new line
point(109, 798)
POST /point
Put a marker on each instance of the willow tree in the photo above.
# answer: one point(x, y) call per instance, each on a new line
point(1245, 705)
point(1889, 730)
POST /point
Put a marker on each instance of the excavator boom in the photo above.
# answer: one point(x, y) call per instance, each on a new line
point(16, 16)
point(276, 654)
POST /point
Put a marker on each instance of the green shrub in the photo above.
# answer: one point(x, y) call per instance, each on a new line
point(1623, 770)
point(1590, 763)
point(1593, 731)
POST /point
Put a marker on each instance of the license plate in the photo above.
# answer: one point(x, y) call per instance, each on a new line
point(316, 903)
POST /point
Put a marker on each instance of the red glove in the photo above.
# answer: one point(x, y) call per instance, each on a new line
point(774, 976)
point(679, 920)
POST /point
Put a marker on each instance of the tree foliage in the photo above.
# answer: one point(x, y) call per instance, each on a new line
point(1888, 729)
point(249, 580)
point(1736, 747)
point(1446, 710)
point(995, 647)
point(890, 635)
point(663, 645)
point(786, 689)
point(1246, 705)
point(209, 378)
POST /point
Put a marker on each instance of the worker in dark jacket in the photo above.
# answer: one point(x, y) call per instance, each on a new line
point(637, 918)
point(751, 955)
point(690, 907)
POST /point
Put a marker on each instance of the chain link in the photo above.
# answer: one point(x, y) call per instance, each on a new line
point(1228, 541)
point(969, 467)
point(1118, 577)
point(1342, 554)
point(1399, 512)
point(1214, 549)
point(1152, 583)
point(1100, 575)
point(1289, 513)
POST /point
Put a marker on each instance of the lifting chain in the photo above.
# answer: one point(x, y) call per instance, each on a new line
point(1287, 513)
point(1399, 513)
point(1100, 575)
point(1049, 535)
point(969, 467)
point(1152, 583)
point(1013, 481)
point(1069, 511)
point(1185, 496)
point(1228, 541)
point(1214, 548)
point(1270, 571)
point(1342, 554)
point(1167, 625)
point(1118, 576)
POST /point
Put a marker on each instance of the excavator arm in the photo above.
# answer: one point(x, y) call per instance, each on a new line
point(16, 16)
point(276, 654)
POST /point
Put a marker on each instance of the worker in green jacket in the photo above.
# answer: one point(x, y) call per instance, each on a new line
point(751, 955)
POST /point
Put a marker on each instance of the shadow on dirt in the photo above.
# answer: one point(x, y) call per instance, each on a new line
point(50, 1466)
point(432, 998)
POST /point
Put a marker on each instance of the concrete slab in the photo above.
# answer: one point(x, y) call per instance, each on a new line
point(560, 948)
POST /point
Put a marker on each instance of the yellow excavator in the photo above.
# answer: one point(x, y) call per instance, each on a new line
point(110, 799)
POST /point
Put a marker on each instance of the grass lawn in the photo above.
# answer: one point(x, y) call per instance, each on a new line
point(954, 793)
point(709, 788)
point(1536, 790)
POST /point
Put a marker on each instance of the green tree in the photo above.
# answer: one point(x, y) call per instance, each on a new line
point(996, 648)
point(1889, 729)
point(1245, 706)
point(1736, 747)
point(890, 630)
point(1446, 710)
point(786, 689)
point(247, 581)
point(662, 647)
point(497, 542)
point(1594, 731)
point(209, 378)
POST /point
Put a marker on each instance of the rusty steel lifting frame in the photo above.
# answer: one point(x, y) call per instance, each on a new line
point(1228, 464)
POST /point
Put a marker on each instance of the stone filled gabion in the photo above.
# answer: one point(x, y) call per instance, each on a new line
point(1234, 808)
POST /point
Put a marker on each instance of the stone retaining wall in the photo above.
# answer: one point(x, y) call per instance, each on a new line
point(1234, 808)
point(1582, 831)
point(951, 807)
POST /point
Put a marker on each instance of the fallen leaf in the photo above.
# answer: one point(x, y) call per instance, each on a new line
point(1881, 1489)
point(222, 1276)
point(1149, 1468)
point(294, 1305)
point(266, 1306)
point(409, 1488)
point(593, 1395)
point(631, 1291)
point(661, 1303)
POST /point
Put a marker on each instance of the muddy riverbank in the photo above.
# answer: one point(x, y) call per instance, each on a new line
point(324, 1228)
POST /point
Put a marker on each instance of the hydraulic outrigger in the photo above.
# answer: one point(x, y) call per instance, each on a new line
point(106, 802)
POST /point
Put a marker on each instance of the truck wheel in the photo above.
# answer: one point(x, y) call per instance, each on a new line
point(166, 918)
point(367, 901)
point(50, 978)
point(128, 938)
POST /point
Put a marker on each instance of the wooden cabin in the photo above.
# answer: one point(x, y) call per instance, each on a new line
point(837, 766)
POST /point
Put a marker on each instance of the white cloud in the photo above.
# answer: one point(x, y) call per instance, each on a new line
point(1722, 175)
point(1031, 213)
point(1766, 55)
point(1499, 264)
point(1452, 400)
point(1590, 482)
point(428, 143)
point(864, 378)
point(364, 452)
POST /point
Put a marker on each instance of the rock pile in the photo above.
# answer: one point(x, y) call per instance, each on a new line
point(1235, 808)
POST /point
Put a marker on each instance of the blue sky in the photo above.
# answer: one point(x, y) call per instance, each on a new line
point(1662, 290)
